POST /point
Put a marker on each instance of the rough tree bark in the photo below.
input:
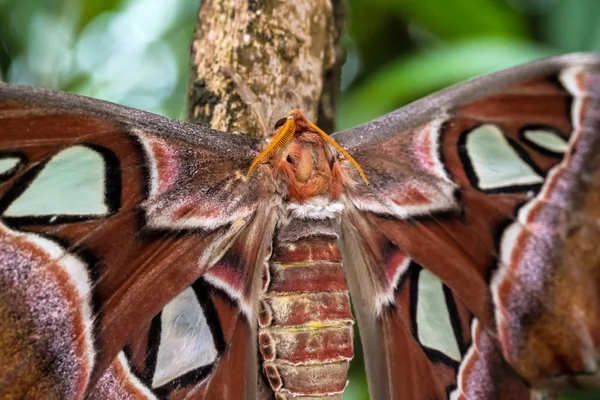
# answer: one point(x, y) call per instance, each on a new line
point(253, 58)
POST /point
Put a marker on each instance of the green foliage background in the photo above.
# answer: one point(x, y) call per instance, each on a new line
point(134, 52)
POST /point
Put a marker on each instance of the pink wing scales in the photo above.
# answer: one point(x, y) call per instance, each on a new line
point(86, 278)
point(490, 188)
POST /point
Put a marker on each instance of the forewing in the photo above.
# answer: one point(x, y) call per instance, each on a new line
point(109, 215)
point(472, 256)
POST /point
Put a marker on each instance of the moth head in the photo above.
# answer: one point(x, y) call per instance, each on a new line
point(285, 130)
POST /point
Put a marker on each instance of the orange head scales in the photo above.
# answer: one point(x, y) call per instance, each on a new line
point(299, 151)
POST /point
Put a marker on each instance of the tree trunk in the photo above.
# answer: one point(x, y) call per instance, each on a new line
point(253, 61)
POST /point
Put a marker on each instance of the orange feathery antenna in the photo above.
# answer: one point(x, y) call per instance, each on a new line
point(340, 149)
point(285, 134)
point(282, 137)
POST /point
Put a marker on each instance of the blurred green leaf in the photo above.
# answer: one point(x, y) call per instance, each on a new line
point(414, 76)
point(91, 9)
point(573, 25)
point(179, 38)
point(371, 40)
point(458, 19)
point(358, 388)
point(580, 395)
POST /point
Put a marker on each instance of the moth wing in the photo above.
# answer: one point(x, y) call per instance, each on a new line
point(109, 215)
point(472, 256)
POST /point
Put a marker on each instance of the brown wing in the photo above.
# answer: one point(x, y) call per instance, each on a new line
point(107, 215)
point(487, 193)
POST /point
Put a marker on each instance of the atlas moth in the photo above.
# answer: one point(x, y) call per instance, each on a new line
point(147, 258)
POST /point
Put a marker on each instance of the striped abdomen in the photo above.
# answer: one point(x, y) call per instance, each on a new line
point(305, 323)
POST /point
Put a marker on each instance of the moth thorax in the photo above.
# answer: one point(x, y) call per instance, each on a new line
point(308, 168)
